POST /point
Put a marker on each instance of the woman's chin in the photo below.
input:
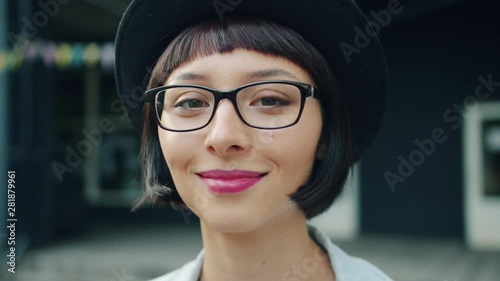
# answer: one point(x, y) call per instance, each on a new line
point(230, 223)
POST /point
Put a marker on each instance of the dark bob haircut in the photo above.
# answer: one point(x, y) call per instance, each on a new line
point(329, 173)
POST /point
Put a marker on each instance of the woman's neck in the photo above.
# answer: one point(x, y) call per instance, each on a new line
point(277, 250)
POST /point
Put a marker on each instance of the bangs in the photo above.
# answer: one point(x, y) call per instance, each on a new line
point(214, 36)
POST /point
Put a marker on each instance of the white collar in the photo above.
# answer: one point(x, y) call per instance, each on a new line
point(346, 267)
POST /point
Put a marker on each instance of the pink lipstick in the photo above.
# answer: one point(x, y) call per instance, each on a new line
point(222, 181)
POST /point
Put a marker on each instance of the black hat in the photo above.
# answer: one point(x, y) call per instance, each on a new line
point(334, 27)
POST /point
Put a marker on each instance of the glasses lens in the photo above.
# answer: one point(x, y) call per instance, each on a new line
point(270, 105)
point(184, 108)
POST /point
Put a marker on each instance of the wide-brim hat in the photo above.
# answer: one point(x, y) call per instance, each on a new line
point(337, 28)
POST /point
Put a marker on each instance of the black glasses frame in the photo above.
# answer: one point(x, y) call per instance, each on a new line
point(306, 90)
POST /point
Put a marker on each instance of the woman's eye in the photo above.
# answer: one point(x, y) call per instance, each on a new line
point(191, 103)
point(270, 101)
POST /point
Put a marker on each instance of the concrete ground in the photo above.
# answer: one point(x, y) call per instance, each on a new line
point(133, 253)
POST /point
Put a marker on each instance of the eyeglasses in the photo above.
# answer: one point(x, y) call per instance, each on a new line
point(263, 105)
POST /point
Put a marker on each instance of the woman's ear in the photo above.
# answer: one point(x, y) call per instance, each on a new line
point(320, 151)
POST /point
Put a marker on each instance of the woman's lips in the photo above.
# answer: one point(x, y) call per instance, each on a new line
point(222, 181)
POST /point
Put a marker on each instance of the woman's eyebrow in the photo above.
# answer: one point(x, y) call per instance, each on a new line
point(266, 73)
point(189, 76)
point(260, 74)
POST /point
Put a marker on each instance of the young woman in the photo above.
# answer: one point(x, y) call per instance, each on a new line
point(254, 113)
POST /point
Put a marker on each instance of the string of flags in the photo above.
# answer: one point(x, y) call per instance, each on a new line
point(61, 55)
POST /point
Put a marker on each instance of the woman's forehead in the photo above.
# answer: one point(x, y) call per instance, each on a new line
point(239, 64)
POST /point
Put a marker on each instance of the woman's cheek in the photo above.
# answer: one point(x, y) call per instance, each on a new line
point(178, 149)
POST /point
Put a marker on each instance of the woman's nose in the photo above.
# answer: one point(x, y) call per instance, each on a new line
point(227, 134)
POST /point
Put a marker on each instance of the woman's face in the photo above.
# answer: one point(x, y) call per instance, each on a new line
point(207, 163)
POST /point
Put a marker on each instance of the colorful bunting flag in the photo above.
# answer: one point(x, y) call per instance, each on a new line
point(62, 55)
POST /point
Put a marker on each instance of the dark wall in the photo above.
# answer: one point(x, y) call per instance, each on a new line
point(434, 63)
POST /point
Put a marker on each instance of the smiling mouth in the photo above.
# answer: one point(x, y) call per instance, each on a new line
point(234, 181)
